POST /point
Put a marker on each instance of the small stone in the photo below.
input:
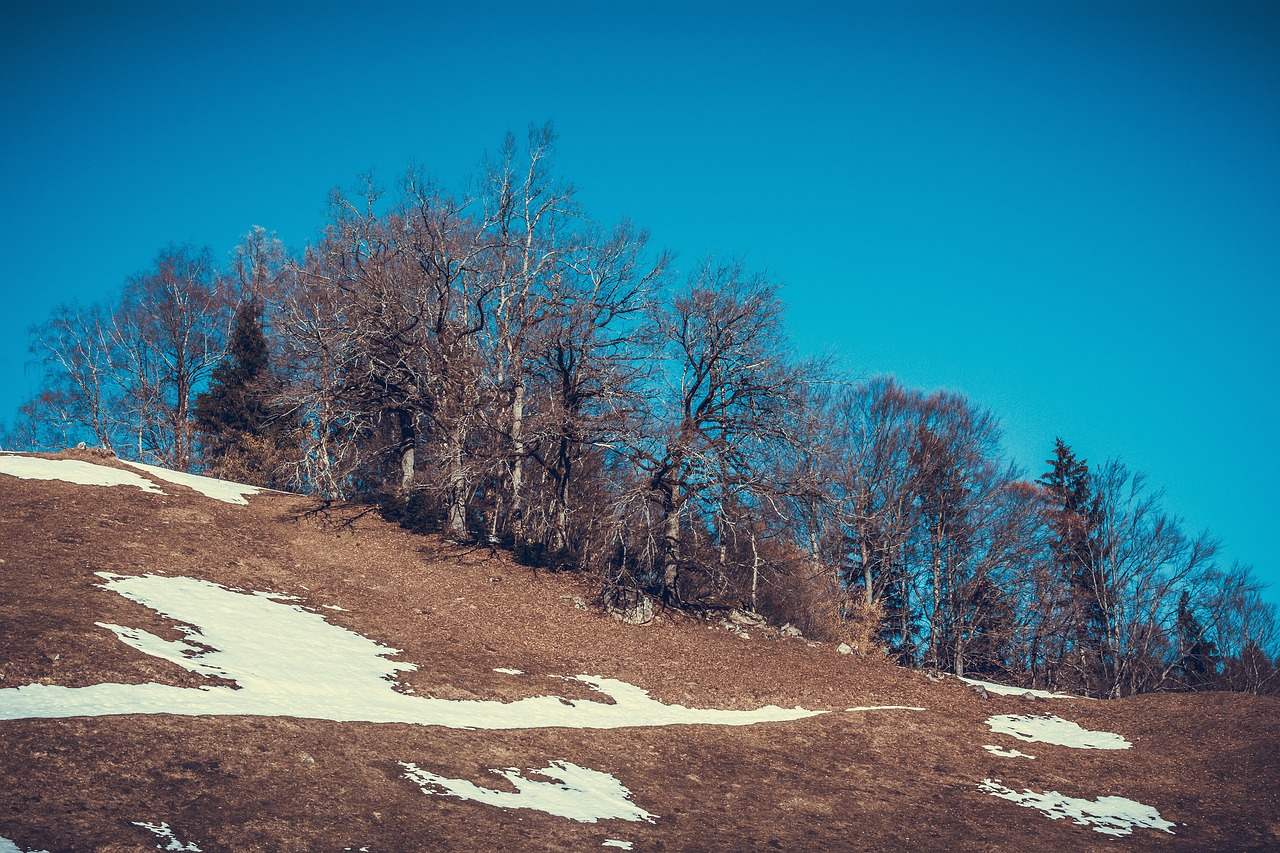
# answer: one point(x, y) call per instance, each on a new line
point(844, 649)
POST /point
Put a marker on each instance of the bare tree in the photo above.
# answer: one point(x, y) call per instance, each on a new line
point(730, 380)
point(528, 218)
point(170, 331)
point(81, 387)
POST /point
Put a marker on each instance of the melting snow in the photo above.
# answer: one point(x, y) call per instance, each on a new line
point(621, 845)
point(88, 474)
point(7, 846)
point(164, 833)
point(1006, 690)
point(1005, 753)
point(1108, 815)
point(886, 708)
point(578, 793)
point(72, 471)
point(1055, 730)
point(507, 670)
point(287, 661)
point(221, 490)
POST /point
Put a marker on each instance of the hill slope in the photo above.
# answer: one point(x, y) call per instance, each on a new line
point(273, 728)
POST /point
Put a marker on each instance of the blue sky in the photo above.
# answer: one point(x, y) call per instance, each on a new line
point(1068, 211)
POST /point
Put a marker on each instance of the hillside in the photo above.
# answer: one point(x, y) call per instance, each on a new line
point(150, 700)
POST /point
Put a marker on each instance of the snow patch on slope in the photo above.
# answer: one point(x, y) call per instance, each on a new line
point(72, 471)
point(287, 661)
point(1006, 690)
point(577, 793)
point(7, 846)
point(887, 708)
point(220, 490)
point(1108, 815)
point(1055, 730)
point(164, 833)
point(1005, 753)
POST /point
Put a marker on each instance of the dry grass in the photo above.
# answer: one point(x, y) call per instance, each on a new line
point(871, 781)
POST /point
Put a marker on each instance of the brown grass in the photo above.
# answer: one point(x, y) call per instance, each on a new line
point(890, 780)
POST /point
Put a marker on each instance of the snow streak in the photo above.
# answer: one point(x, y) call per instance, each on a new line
point(1055, 730)
point(287, 661)
point(220, 490)
point(72, 471)
point(1108, 815)
point(577, 793)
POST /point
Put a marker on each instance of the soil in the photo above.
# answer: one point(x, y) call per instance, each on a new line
point(882, 780)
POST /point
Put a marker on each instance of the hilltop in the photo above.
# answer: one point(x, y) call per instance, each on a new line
point(341, 684)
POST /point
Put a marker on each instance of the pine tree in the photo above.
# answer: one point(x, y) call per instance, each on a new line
point(1198, 662)
point(244, 435)
point(1073, 519)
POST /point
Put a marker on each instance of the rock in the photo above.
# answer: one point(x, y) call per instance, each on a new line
point(789, 630)
point(981, 691)
point(746, 619)
point(633, 608)
point(844, 649)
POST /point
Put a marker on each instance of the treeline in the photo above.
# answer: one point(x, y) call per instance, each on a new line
point(493, 365)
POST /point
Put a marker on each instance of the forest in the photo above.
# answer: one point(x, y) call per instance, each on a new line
point(488, 363)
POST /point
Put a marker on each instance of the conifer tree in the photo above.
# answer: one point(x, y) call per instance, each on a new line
point(1073, 518)
point(1198, 661)
point(243, 433)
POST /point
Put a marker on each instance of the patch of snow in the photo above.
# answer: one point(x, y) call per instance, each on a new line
point(1005, 753)
point(220, 490)
point(1055, 730)
point(886, 708)
point(73, 471)
point(507, 670)
point(1006, 690)
point(1108, 815)
point(164, 833)
point(621, 845)
point(287, 661)
point(7, 846)
point(333, 607)
point(577, 793)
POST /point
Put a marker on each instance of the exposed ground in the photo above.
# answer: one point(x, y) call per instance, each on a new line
point(879, 780)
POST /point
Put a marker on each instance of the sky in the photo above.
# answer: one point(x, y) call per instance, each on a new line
point(1067, 211)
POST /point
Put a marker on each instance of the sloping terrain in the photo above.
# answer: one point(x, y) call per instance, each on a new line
point(259, 738)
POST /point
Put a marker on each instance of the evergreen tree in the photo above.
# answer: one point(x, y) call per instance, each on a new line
point(1198, 661)
point(1073, 519)
point(244, 434)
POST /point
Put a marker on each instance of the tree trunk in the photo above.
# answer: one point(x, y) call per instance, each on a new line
point(408, 443)
point(517, 453)
point(670, 542)
point(457, 485)
point(866, 571)
point(755, 572)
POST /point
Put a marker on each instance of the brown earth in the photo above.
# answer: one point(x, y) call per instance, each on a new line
point(884, 780)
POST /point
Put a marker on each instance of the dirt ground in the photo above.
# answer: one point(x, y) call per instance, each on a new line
point(883, 780)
